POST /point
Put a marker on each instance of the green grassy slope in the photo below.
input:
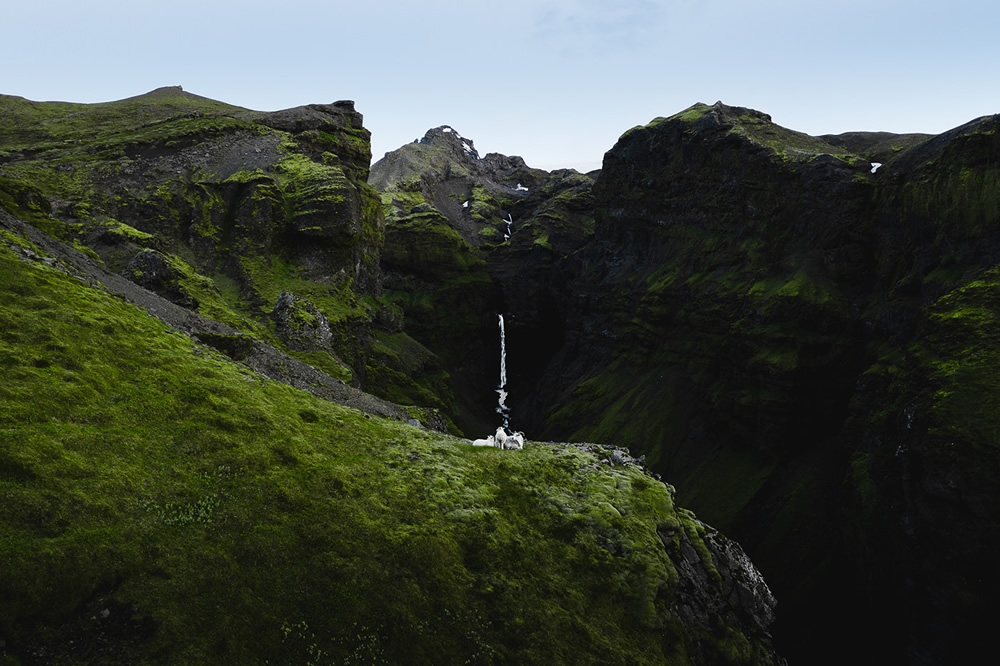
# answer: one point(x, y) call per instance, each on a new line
point(160, 503)
point(235, 206)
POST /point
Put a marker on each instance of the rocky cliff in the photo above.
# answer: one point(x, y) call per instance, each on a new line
point(464, 236)
point(223, 210)
point(192, 300)
point(788, 333)
point(795, 330)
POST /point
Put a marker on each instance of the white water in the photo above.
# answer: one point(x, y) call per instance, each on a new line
point(502, 409)
point(506, 237)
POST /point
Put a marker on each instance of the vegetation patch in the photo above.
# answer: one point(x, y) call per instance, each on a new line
point(245, 520)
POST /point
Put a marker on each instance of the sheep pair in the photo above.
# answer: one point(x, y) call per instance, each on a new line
point(502, 440)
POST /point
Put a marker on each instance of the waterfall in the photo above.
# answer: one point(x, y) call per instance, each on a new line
point(506, 237)
point(502, 409)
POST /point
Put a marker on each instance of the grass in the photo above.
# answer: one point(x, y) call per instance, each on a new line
point(61, 126)
point(255, 233)
point(247, 522)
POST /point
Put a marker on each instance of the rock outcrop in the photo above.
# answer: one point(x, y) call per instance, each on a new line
point(215, 207)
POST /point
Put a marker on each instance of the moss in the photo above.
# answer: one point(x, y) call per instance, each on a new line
point(127, 232)
point(613, 397)
point(788, 144)
point(425, 244)
point(247, 177)
point(203, 291)
point(959, 356)
point(236, 347)
point(690, 114)
point(310, 187)
point(14, 239)
point(263, 523)
point(273, 275)
point(803, 287)
point(86, 250)
point(30, 204)
point(34, 124)
point(325, 362)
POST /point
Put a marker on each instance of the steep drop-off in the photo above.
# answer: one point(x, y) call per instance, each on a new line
point(797, 341)
point(795, 330)
point(466, 236)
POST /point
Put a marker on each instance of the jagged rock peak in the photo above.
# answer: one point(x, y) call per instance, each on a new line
point(448, 134)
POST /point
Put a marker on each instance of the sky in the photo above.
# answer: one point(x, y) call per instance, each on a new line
point(553, 81)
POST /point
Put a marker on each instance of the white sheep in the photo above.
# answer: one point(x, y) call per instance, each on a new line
point(484, 442)
point(515, 441)
point(502, 440)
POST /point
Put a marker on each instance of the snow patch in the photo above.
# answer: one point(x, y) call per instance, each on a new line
point(521, 188)
point(875, 166)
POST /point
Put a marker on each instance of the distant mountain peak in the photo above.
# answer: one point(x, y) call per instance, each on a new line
point(450, 134)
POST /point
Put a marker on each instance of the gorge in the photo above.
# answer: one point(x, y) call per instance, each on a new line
point(239, 357)
point(788, 333)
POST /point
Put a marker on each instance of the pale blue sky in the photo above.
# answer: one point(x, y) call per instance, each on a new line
point(555, 81)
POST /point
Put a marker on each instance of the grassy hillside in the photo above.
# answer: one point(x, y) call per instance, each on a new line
point(221, 210)
point(160, 503)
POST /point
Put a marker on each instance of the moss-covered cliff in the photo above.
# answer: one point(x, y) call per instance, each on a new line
point(466, 236)
point(220, 209)
point(187, 292)
point(797, 341)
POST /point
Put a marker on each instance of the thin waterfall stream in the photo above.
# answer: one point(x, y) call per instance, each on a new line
point(502, 409)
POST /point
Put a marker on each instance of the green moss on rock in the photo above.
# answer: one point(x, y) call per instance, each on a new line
point(230, 519)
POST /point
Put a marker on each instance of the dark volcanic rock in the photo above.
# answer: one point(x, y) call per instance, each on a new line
point(751, 316)
point(300, 324)
point(443, 170)
point(877, 147)
point(269, 362)
point(468, 238)
point(734, 593)
point(153, 270)
point(751, 313)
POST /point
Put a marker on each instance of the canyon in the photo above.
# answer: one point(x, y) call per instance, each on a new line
point(793, 342)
